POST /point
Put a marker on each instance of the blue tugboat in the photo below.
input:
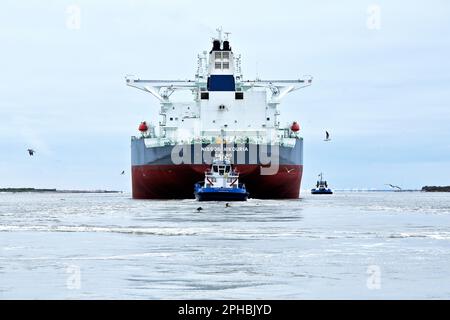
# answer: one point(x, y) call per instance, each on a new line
point(321, 187)
point(221, 184)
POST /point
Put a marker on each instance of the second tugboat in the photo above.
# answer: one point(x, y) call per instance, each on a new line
point(221, 184)
point(321, 187)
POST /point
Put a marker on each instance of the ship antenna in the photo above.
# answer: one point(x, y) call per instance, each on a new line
point(257, 75)
point(222, 137)
point(219, 33)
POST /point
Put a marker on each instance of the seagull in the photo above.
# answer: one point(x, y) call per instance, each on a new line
point(393, 187)
point(327, 136)
point(289, 170)
point(123, 172)
point(199, 209)
point(31, 152)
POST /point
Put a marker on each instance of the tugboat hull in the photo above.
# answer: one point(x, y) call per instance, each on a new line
point(216, 194)
point(321, 191)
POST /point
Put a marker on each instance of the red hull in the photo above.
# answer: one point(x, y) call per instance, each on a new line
point(177, 181)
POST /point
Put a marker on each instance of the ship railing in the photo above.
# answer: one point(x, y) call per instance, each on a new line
point(233, 140)
point(209, 174)
point(158, 141)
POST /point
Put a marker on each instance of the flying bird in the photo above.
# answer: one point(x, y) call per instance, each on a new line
point(199, 209)
point(227, 205)
point(393, 187)
point(31, 152)
point(123, 172)
point(327, 136)
point(289, 170)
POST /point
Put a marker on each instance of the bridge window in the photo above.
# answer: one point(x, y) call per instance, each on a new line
point(221, 60)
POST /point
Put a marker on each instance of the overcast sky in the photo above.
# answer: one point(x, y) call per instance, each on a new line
point(381, 87)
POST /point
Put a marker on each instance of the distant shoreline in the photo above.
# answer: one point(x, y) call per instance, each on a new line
point(436, 188)
point(36, 190)
point(54, 190)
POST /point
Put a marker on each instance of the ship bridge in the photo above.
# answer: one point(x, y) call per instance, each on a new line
point(223, 102)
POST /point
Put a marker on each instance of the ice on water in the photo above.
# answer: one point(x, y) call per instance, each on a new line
point(349, 245)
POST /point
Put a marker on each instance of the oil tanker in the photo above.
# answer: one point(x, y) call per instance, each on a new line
point(226, 114)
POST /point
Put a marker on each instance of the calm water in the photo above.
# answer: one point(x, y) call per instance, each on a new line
point(350, 245)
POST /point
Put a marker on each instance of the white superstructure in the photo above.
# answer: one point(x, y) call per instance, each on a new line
point(223, 102)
